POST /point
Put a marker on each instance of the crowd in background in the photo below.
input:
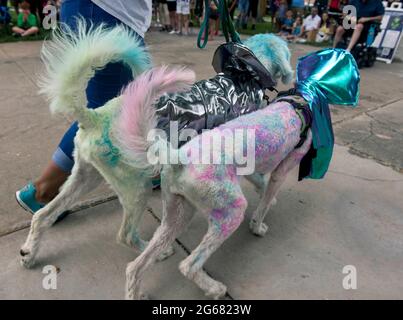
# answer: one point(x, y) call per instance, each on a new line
point(294, 20)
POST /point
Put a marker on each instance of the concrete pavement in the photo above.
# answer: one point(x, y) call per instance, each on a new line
point(352, 217)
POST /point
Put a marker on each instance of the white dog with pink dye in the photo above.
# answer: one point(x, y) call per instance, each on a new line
point(211, 189)
point(284, 133)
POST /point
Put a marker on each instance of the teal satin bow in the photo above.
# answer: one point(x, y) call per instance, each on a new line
point(323, 77)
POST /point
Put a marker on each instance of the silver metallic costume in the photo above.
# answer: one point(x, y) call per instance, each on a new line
point(237, 89)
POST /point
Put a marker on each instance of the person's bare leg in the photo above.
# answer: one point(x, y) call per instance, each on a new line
point(30, 31)
point(302, 31)
point(173, 19)
point(337, 37)
point(180, 21)
point(356, 35)
point(211, 32)
point(17, 30)
point(49, 182)
point(186, 23)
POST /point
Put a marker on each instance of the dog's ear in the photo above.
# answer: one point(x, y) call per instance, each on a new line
point(281, 58)
point(286, 71)
point(287, 77)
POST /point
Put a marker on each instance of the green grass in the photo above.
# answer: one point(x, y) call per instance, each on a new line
point(324, 44)
point(261, 27)
point(6, 36)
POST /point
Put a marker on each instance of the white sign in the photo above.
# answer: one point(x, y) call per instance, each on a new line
point(387, 41)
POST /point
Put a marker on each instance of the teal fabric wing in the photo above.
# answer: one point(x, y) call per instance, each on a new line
point(323, 77)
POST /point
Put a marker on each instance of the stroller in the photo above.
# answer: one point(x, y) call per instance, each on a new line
point(363, 52)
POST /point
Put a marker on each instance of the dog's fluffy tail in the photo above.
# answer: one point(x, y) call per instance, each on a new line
point(73, 56)
point(138, 115)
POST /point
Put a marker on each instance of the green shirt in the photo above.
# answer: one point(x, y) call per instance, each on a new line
point(30, 22)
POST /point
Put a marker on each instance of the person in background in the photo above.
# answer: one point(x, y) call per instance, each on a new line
point(199, 8)
point(296, 30)
point(287, 25)
point(322, 6)
point(274, 4)
point(5, 17)
point(231, 8)
point(173, 17)
point(105, 85)
point(183, 13)
point(164, 15)
point(334, 6)
point(368, 11)
point(243, 8)
point(214, 20)
point(281, 13)
point(334, 11)
point(192, 9)
point(311, 25)
point(252, 12)
point(326, 29)
point(297, 7)
point(37, 8)
point(27, 23)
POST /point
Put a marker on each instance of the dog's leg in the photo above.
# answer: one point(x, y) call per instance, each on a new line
point(256, 225)
point(177, 214)
point(84, 178)
point(134, 202)
point(219, 230)
point(259, 181)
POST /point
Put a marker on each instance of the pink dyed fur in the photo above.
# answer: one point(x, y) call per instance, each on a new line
point(137, 118)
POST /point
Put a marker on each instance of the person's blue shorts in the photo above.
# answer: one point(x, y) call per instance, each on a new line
point(105, 85)
point(243, 6)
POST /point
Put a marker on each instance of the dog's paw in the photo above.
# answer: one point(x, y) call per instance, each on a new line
point(217, 290)
point(166, 254)
point(27, 258)
point(184, 268)
point(131, 242)
point(133, 294)
point(258, 229)
point(136, 296)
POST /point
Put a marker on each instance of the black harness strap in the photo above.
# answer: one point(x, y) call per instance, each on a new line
point(302, 109)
